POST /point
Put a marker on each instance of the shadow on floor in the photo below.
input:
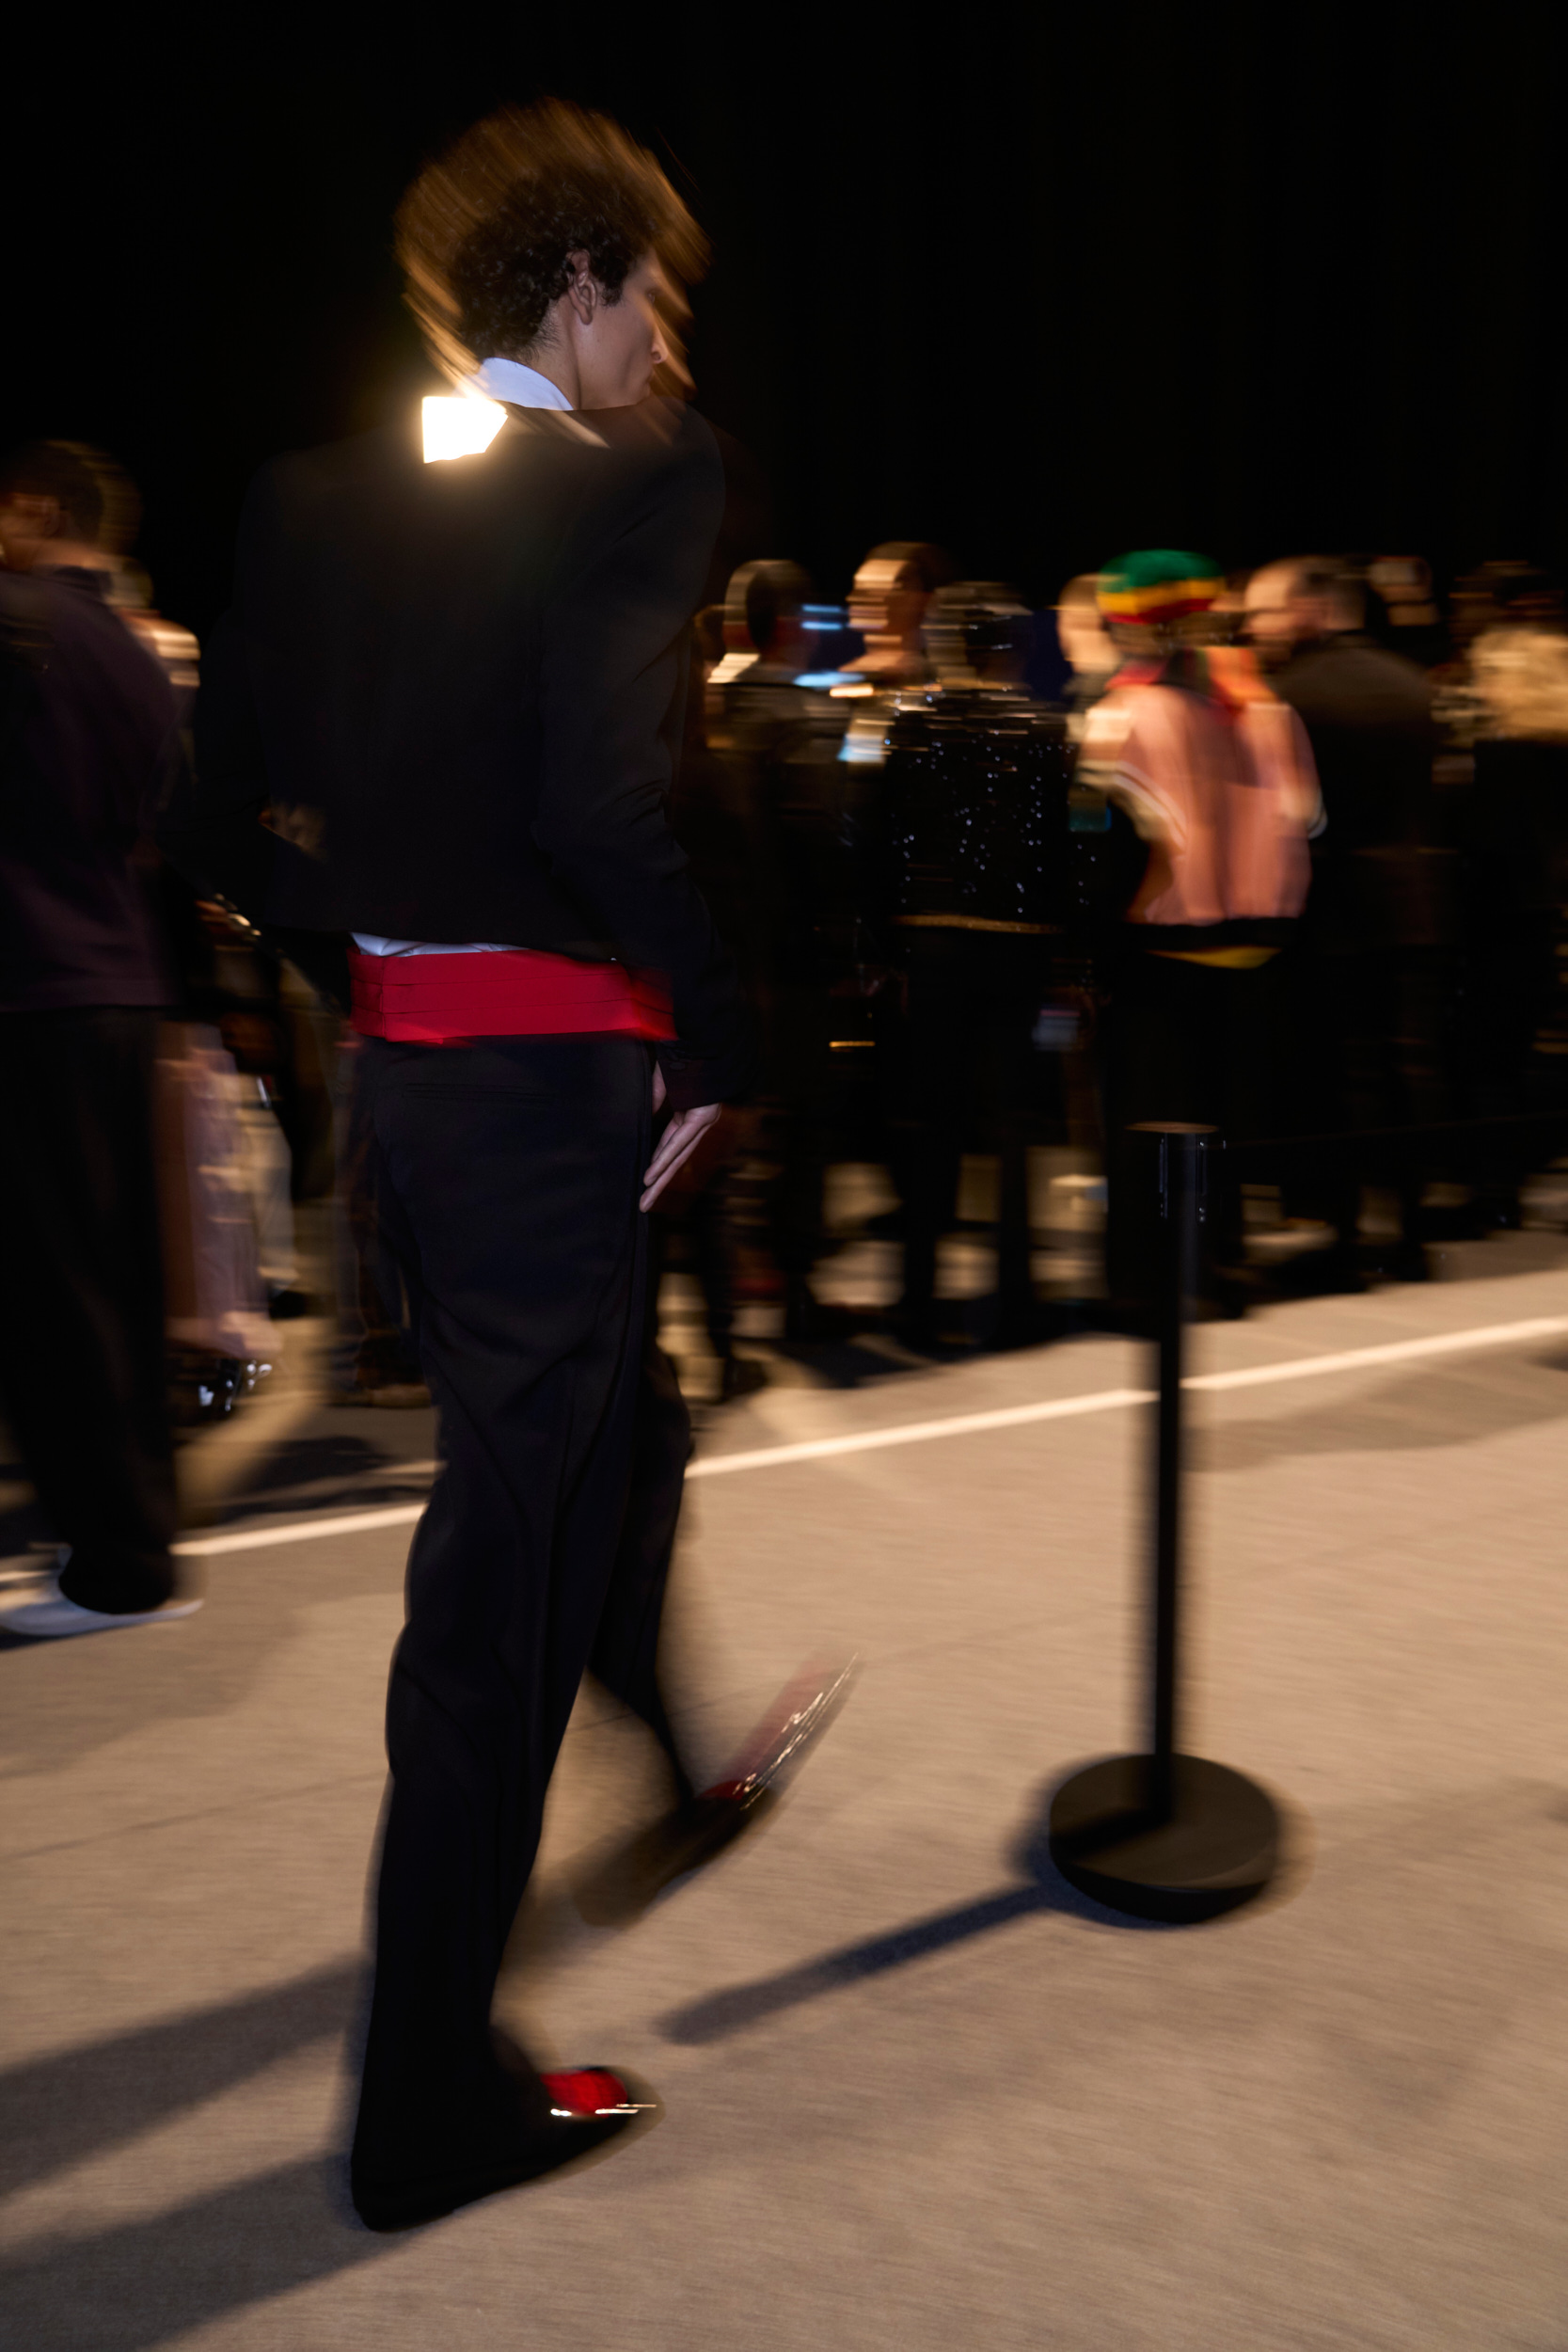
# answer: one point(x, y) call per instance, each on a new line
point(133, 2285)
point(868, 1349)
point(64, 2108)
point(142, 2284)
point(1042, 1889)
point(1445, 1402)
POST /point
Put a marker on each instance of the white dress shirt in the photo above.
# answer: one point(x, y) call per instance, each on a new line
point(520, 387)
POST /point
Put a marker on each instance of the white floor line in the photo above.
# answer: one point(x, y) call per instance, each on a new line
point(918, 1432)
point(300, 1531)
point(959, 1425)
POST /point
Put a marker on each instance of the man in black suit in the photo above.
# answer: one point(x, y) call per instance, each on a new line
point(1371, 967)
point(451, 689)
point(86, 730)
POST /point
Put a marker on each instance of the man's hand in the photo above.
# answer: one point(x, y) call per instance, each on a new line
point(677, 1143)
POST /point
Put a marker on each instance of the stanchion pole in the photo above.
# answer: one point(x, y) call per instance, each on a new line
point(1182, 1170)
point(1165, 1835)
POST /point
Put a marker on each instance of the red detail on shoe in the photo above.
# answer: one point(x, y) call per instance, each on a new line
point(727, 1789)
point(586, 2090)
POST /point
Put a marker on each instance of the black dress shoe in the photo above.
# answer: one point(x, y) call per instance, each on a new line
point(622, 1885)
point(589, 2106)
point(620, 1888)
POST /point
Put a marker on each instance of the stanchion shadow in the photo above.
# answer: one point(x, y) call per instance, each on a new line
point(1040, 1888)
point(134, 2284)
point(141, 2283)
point(1447, 1402)
point(61, 2110)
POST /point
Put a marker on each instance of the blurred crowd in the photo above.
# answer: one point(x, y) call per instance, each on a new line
point(1278, 852)
point(1284, 853)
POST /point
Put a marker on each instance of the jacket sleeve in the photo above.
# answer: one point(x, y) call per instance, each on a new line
point(613, 677)
point(215, 827)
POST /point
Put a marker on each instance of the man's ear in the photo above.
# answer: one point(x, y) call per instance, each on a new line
point(584, 292)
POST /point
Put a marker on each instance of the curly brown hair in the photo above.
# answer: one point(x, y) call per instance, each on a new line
point(484, 233)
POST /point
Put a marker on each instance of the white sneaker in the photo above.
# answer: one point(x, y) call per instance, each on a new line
point(54, 1616)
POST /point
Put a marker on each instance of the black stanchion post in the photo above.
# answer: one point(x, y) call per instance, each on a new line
point(1165, 1835)
point(1182, 1173)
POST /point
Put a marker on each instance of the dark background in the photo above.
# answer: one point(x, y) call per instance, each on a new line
point(1037, 283)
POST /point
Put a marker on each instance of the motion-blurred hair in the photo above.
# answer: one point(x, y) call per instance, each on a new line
point(484, 233)
point(1328, 581)
point(931, 565)
point(1522, 675)
point(97, 498)
point(1081, 595)
point(976, 628)
point(1506, 596)
point(763, 593)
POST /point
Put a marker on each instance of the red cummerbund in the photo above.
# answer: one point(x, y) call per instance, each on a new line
point(443, 1000)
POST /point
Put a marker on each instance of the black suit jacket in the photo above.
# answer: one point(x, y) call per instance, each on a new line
point(447, 701)
point(86, 738)
point(1382, 872)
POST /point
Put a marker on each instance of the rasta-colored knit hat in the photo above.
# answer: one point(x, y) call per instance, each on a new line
point(1157, 584)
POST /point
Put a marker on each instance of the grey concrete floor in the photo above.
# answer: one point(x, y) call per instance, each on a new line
point(918, 2093)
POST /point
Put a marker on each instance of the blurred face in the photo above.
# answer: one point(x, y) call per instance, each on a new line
point(1084, 640)
point(618, 344)
point(1274, 616)
point(888, 598)
point(26, 526)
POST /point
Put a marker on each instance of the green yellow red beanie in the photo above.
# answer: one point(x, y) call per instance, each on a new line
point(1157, 584)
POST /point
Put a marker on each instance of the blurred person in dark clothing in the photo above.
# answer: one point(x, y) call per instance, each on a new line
point(971, 824)
point(1505, 594)
point(779, 741)
point(1515, 842)
point(714, 816)
point(452, 683)
point(1216, 774)
point(1370, 979)
point(89, 733)
point(1402, 609)
point(1496, 596)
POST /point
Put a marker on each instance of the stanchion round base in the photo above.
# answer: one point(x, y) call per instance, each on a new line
point(1218, 1849)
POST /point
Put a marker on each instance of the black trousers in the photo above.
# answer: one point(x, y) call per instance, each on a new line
point(506, 1175)
point(82, 1358)
point(1373, 1042)
point(973, 1001)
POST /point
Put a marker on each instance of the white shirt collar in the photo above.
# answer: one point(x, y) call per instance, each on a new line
point(524, 388)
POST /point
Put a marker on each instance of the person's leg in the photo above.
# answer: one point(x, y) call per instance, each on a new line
point(1016, 988)
point(938, 1042)
point(268, 1170)
point(1342, 994)
point(801, 1048)
point(1236, 1028)
point(81, 1348)
point(709, 1227)
point(506, 1180)
point(624, 1655)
